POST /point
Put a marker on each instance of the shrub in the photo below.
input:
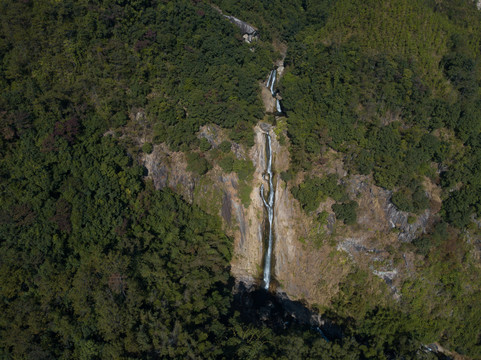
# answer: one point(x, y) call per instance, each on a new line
point(402, 200)
point(245, 193)
point(244, 169)
point(204, 145)
point(197, 165)
point(225, 146)
point(314, 190)
point(287, 176)
point(147, 148)
point(346, 212)
point(227, 164)
point(410, 201)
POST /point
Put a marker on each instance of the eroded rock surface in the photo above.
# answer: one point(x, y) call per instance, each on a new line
point(167, 168)
point(378, 213)
point(310, 259)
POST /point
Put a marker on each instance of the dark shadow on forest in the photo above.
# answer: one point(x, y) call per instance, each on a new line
point(276, 311)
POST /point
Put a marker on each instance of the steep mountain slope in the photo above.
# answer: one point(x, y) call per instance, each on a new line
point(376, 152)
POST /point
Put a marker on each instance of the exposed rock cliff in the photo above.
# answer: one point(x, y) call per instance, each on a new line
point(218, 193)
point(248, 244)
point(310, 258)
point(248, 31)
point(167, 168)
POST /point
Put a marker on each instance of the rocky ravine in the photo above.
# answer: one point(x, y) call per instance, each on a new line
point(309, 259)
point(217, 193)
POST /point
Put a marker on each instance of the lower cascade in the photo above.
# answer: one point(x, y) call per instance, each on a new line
point(269, 204)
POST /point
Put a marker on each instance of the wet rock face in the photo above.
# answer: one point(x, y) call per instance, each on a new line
point(293, 262)
point(269, 100)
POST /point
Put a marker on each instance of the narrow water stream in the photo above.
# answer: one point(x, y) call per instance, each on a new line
point(269, 200)
point(271, 82)
point(269, 204)
point(278, 107)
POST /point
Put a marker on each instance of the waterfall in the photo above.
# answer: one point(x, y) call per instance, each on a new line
point(269, 204)
point(278, 106)
point(273, 92)
point(268, 85)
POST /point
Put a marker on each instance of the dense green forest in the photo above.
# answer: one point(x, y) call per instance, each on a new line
point(396, 89)
point(95, 263)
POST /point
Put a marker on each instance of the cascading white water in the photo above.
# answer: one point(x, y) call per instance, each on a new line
point(273, 82)
point(269, 204)
point(268, 85)
point(278, 106)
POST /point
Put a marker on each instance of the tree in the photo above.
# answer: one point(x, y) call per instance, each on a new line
point(347, 212)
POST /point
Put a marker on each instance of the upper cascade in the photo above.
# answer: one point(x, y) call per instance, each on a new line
point(270, 84)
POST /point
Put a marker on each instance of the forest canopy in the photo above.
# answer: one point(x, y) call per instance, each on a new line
point(95, 263)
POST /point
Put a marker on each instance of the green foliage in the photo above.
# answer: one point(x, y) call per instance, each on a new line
point(97, 264)
point(245, 193)
point(204, 145)
point(243, 133)
point(439, 235)
point(181, 63)
point(110, 255)
point(279, 19)
point(147, 148)
point(438, 300)
point(344, 117)
point(227, 163)
point(244, 169)
point(225, 146)
point(418, 29)
point(411, 201)
point(314, 190)
point(197, 164)
point(287, 176)
point(364, 162)
point(458, 208)
point(347, 212)
point(348, 88)
point(388, 328)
